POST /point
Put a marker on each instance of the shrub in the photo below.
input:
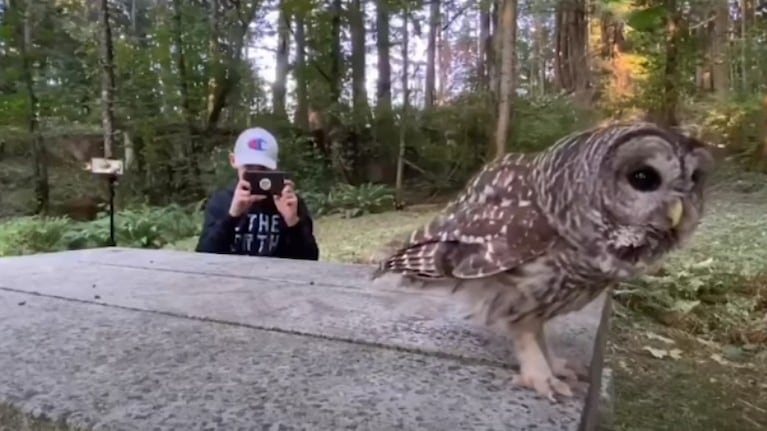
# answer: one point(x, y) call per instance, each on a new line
point(144, 227)
point(32, 234)
point(351, 201)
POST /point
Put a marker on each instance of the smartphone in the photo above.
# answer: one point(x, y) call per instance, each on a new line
point(266, 182)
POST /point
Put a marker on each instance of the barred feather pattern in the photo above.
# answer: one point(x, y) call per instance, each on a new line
point(528, 236)
point(492, 227)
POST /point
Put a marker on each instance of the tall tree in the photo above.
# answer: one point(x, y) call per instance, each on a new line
point(721, 65)
point(279, 87)
point(572, 32)
point(335, 50)
point(107, 80)
point(399, 195)
point(357, 30)
point(485, 42)
point(383, 88)
point(673, 35)
point(190, 146)
point(508, 36)
point(431, 54)
point(23, 13)
point(299, 71)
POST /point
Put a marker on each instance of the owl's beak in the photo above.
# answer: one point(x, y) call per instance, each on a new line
point(675, 212)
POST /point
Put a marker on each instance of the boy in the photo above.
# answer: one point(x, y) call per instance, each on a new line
point(238, 222)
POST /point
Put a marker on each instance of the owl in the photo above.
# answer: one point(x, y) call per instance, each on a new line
point(535, 236)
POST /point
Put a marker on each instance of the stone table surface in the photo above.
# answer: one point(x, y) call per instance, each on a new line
point(130, 339)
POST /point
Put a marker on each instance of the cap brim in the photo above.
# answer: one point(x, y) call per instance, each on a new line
point(255, 158)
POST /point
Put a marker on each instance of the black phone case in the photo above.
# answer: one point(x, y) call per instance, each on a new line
point(266, 183)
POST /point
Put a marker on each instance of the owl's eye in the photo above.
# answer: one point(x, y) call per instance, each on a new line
point(697, 175)
point(644, 179)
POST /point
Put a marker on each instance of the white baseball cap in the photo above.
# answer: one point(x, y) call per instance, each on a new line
point(256, 146)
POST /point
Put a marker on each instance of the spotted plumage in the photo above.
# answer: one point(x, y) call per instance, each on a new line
point(535, 236)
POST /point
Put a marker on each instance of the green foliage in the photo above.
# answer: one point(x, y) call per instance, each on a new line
point(734, 123)
point(541, 121)
point(32, 235)
point(144, 227)
point(646, 20)
point(450, 143)
point(351, 201)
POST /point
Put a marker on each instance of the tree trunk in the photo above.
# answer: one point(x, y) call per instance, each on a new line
point(335, 50)
point(705, 35)
point(445, 57)
point(721, 65)
point(357, 29)
point(484, 48)
point(386, 132)
point(299, 73)
point(39, 153)
point(431, 54)
point(671, 69)
point(746, 21)
point(540, 43)
point(281, 70)
point(494, 51)
point(572, 32)
point(398, 188)
point(214, 63)
point(383, 88)
point(107, 81)
point(228, 73)
point(191, 145)
point(507, 33)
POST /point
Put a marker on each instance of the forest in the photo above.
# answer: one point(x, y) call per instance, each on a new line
point(383, 110)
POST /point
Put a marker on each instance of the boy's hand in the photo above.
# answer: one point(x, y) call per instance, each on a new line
point(242, 199)
point(287, 204)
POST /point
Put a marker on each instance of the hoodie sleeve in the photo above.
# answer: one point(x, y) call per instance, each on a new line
point(218, 227)
point(299, 239)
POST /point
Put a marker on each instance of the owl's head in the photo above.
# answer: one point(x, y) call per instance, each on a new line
point(637, 188)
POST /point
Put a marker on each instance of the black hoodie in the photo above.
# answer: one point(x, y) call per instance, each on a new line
point(261, 231)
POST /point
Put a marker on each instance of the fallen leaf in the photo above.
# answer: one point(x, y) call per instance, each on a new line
point(716, 357)
point(675, 353)
point(654, 336)
point(704, 264)
point(657, 353)
point(684, 306)
point(707, 342)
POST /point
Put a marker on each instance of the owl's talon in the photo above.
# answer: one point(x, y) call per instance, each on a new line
point(560, 367)
point(545, 385)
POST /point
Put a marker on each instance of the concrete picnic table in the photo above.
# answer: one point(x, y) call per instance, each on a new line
point(133, 339)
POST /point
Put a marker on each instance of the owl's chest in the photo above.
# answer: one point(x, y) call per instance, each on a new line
point(570, 282)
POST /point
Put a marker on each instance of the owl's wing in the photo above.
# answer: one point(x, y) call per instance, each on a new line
point(474, 240)
point(501, 179)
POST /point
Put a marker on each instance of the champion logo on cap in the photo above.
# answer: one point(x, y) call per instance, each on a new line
point(258, 144)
